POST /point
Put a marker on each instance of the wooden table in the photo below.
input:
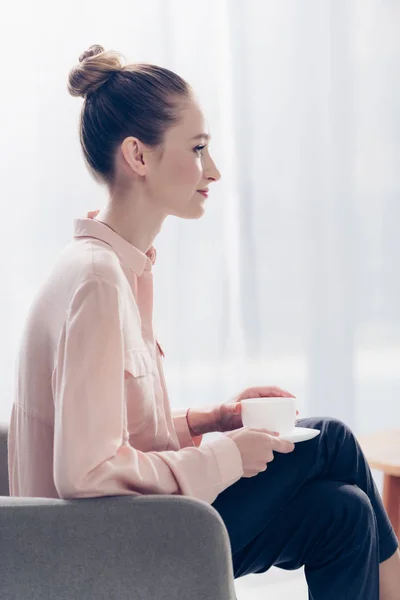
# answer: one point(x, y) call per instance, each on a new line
point(382, 450)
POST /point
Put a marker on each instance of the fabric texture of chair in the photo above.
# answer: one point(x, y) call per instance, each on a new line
point(153, 547)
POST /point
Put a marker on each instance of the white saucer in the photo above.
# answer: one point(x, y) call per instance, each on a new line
point(300, 434)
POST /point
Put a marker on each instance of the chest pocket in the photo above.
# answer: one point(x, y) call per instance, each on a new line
point(139, 389)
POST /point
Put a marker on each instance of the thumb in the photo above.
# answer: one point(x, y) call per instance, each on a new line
point(231, 409)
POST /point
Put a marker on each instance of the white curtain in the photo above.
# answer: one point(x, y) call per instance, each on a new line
point(292, 276)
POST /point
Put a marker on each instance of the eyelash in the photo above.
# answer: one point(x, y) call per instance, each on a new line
point(199, 149)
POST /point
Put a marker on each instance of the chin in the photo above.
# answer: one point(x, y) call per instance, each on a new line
point(197, 214)
point(196, 211)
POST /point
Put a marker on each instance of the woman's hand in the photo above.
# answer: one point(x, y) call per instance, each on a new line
point(228, 416)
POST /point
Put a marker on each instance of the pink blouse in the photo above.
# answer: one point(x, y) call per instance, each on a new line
point(91, 413)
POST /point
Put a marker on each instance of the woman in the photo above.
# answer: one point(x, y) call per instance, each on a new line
point(91, 416)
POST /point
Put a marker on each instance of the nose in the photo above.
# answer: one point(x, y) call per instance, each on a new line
point(211, 172)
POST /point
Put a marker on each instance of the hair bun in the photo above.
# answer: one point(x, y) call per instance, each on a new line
point(95, 68)
point(92, 51)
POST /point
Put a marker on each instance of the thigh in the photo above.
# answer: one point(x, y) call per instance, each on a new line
point(248, 505)
point(335, 455)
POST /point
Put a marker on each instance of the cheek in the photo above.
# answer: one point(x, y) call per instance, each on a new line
point(185, 170)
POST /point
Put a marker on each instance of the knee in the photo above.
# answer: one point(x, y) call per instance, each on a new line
point(335, 428)
point(343, 520)
point(350, 507)
point(340, 428)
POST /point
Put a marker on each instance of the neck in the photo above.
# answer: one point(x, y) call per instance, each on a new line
point(135, 219)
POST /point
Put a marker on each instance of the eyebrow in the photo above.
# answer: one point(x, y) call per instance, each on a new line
point(202, 136)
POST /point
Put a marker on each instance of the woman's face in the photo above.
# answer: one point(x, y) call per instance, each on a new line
point(183, 167)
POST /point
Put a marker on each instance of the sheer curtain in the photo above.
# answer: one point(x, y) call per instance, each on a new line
point(291, 278)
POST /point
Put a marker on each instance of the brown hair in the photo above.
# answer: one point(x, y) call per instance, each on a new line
point(137, 100)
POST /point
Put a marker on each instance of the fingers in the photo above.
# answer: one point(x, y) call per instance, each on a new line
point(274, 391)
point(269, 431)
point(277, 443)
point(270, 457)
point(282, 393)
point(283, 446)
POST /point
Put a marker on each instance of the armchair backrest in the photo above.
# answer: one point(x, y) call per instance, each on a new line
point(4, 488)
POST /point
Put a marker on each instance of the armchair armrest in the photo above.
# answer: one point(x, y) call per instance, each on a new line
point(155, 547)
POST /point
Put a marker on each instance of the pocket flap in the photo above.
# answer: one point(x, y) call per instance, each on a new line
point(138, 362)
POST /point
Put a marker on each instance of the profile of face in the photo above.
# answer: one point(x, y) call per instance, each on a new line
point(175, 177)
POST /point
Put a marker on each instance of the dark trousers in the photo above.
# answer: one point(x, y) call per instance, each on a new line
point(316, 507)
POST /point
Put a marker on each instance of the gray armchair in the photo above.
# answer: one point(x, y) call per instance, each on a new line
point(154, 547)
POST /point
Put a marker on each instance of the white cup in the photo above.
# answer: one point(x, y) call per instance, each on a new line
point(277, 414)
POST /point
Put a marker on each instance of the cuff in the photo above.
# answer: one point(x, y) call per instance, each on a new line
point(179, 417)
point(229, 459)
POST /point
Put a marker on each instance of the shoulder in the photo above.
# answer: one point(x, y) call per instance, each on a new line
point(94, 260)
point(92, 272)
point(104, 264)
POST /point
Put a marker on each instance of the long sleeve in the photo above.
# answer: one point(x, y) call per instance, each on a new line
point(179, 417)
point(92, 453)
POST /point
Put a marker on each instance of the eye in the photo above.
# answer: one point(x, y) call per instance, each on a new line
point(199, 149)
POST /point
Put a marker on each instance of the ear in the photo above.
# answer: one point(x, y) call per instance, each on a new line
point(133, 151)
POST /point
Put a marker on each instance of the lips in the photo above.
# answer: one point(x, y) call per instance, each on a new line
point(203, 193)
